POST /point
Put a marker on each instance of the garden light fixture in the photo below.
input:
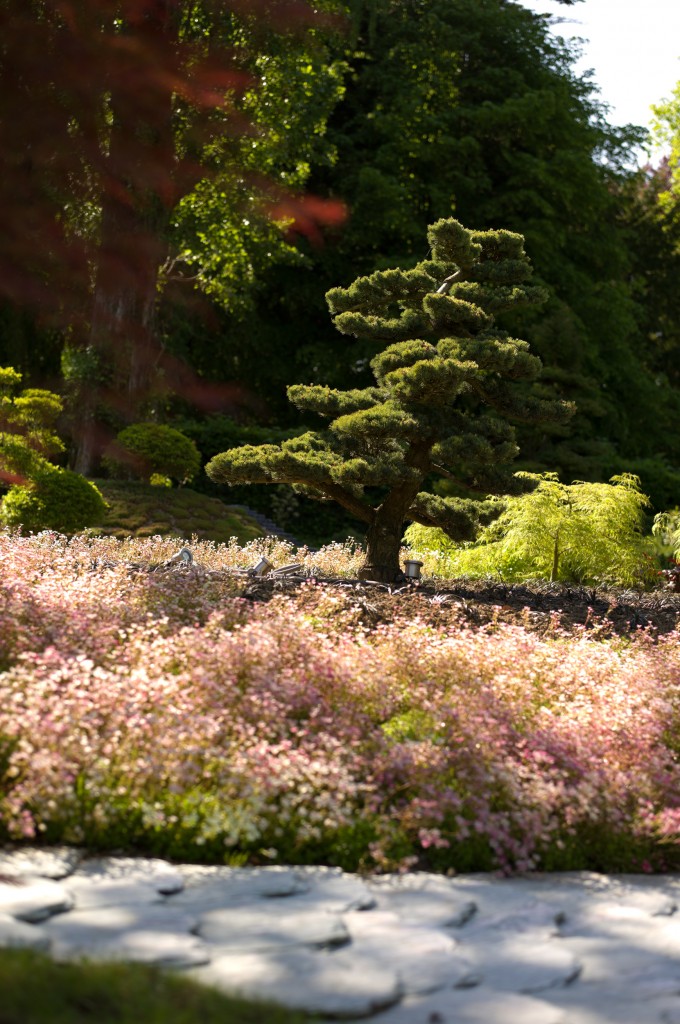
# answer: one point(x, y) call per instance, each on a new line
point(262, 568)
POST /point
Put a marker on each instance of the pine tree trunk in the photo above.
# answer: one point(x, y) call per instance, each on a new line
point(383, 543)
point(383, 538)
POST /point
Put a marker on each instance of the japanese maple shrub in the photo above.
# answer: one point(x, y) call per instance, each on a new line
point(574, 533)
point(446, 388)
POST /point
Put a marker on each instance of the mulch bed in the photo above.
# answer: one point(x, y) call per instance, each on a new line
point(546, 608)
point(540, 606)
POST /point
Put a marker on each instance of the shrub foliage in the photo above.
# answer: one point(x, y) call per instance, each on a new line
point(27, 436)
point(147, 450)
point(41, 496)
point(580, 532)
point(57, 499)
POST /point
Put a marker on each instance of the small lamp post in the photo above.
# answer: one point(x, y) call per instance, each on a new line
point(412, 568)
point(262, 568)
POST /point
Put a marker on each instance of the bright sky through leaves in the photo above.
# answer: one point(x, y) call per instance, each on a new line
point(633, 48)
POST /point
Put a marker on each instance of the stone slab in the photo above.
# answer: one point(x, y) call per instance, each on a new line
point(476, 1006)
point(336, 890)
point(212, 888)
point(422, 899)
point(584, 1004)
point(33, 899)
point(499, 897)
point(145, 934)
point(163, 876)
point(526, 963)
point(607, 961)
point(118, 881)
point(425, 959)
point(264, 881)
point(18, 934)
point(266, 925)
point(651, 910)
point(340, 983)
point(536, 918)
point(55, 862)
point(90, 895)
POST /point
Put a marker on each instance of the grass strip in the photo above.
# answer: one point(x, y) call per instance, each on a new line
point(35, 989)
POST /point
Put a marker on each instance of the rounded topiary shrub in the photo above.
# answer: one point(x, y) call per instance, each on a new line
point(151, 449)
point(57, 499)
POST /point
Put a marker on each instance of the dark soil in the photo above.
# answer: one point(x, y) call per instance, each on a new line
point(540, 606)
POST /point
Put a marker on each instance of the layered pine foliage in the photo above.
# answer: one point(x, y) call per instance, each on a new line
point(447, 386)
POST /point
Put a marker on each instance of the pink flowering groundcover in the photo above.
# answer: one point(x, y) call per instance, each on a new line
point(164, 713)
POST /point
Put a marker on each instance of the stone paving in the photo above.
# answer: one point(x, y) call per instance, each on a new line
point(571, 948)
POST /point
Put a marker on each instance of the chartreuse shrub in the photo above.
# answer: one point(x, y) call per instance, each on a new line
point(56, 499)
point(41, 495)
point(152, 452)
point(579, 533)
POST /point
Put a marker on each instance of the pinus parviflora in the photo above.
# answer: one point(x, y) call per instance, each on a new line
point(447, 387)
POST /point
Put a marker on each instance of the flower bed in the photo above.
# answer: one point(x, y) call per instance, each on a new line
point(164, 713)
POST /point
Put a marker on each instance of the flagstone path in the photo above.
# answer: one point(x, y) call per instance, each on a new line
point(570, 948)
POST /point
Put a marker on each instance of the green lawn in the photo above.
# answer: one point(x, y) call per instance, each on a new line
point(36, 990)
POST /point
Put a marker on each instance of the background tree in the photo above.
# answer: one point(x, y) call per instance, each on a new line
point(446, 386)
point(474, 109)
point(658, 214)
point(109, 111)
point(651, 211)
point(653, 231)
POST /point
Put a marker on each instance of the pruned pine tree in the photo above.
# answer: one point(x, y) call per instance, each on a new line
point(447, 386)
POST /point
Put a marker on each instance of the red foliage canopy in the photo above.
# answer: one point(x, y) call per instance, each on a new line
point(87, 92)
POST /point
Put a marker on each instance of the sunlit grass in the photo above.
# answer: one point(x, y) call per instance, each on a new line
point(37, 990)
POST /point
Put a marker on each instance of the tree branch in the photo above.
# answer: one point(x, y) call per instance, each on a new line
point(445, 286)
point(361, 511)
point(421, 518)
point(444, 472)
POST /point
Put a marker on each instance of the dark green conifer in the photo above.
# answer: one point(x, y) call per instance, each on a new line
point(447, 385)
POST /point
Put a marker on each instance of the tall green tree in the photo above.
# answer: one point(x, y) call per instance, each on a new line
point(657, 212)
point(446, 387)
point(652, 222)
point(473, 108)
